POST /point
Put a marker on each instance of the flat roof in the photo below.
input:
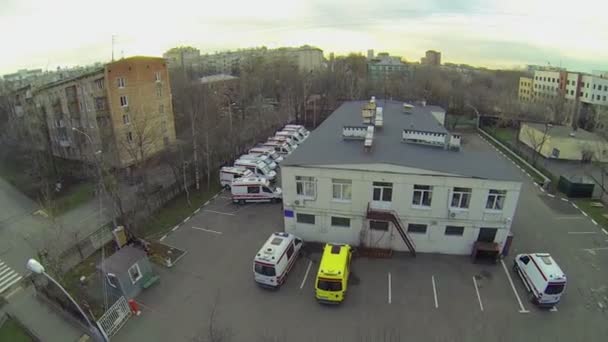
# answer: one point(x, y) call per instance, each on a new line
point(122, 260)
point(325, 145)
point(564, 132)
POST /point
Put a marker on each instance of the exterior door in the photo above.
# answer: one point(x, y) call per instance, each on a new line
point(486, 234)
point(382, 195)
point(379, 234)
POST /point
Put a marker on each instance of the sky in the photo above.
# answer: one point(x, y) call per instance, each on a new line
point(497, 34)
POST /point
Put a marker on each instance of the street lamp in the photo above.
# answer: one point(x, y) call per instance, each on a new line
point(34, 266)
point(476, 113)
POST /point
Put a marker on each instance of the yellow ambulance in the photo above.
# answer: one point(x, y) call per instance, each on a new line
point(332, 278)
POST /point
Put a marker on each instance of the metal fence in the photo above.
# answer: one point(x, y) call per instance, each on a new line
point(116, 316)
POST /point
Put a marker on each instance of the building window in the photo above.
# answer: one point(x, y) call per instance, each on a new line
point(130, 137)
point(121, 82)
point(378, 225)
point(253, 189)
point(159, 91)
point(604, 98)
point(134, 273)
point(157, 76)
point(161, 109)
point(100, 103)
point(461, 198)
point(112, 280)
point(594, 87)
point(422, 195)
point(341, 189)
point(416, 228)
point(340, 221)
point(99, 83)
point(606, 88)
point(586, 95)
point(496, 199)
point(305, 218)
point(125, 119)
point(555, 153)
point(454, 230)
point(123, 101)
point(382, 191)
point(305, 186)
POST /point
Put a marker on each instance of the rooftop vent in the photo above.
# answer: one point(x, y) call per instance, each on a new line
point(354, 132)
point(368, 112)
point(379, 120)
point(444, 140)
point(369, 138)
point(407, 108)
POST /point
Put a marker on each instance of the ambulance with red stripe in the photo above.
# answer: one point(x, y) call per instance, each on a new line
point(254, 189)
point(275, 259)
point(543, 278)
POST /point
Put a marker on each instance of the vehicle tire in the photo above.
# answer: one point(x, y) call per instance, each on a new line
point(241, 202)
point(227, 187)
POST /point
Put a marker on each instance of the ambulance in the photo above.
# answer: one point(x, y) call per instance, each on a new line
point(285, 140)
point(258, 168)
point(229, 173)
point(542, 277)
point(295, 136)
point(275, 259)
point(298, 128)
point(281, 148)
point(332, 279)
point(260, 157)
point(267, 151)
point(254, 189)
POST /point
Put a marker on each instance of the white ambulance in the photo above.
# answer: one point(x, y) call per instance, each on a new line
point(258, 168)
point(229, 173)
point(298, 128)
point(275, 259)
point(542, 277)
point(254, 189)
point(260, 157)
point(267, 151)
point(285, 140)
point(280, 147)
point(291, 134)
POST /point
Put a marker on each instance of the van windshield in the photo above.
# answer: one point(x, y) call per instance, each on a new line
point(329, 285)
point(264, 168)
point(265, 270)
point(555, 288)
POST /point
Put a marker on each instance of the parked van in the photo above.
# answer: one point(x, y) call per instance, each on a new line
point(332, 279)
point(542, 277)
point(298, 128)
point(260, 157)
point(291, 134)
point(286, 140)
point(275, 259)
point(268, 151)
point(280, 147)
point(258, 168)
point(229, 173)
point(254, 189)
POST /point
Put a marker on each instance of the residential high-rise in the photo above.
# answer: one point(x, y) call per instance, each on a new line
point(370, 54)
point(384, 65)
point(431, 57)
point(125, 108)
point(525, 89)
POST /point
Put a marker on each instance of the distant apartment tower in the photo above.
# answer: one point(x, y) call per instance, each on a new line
point(431, 57)
point(183, 56)
point(525, 89)
point(383, 66)
point(370, 53)
point(125, 108)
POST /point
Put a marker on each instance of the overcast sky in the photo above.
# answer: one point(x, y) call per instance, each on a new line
point(50, 33)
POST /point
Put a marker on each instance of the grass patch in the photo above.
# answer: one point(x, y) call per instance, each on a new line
point(596, 213)
point(74, 196)
point(175, 211)
point(12, 331)
point(505, 135)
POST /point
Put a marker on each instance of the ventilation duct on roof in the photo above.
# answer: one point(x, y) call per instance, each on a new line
point(369, 138)
point(444, 140)
point(379, 119)
point(354, 132)
point(407, 108)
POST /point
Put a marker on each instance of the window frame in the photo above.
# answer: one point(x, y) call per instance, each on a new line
point(464, 194)
point(451, 233)
point(157, 76)
point(342, 185)
point(415, 228)
point(373, 225)
point(498, 196)
point(384, 188)
point(124, 103)
point(121, 82)
point(130, 137)
point(126, 119)
point(139, 275)
point(306, 187)
point(336, 224)
point(423, 190)
point(303, 215)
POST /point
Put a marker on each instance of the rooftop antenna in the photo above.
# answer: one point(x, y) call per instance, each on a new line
point(113, 36)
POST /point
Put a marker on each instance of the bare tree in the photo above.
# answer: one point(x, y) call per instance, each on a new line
point(535, 138)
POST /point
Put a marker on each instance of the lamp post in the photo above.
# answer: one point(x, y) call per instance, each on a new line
point(98, 166)
point(34, 266)
point(476, 113)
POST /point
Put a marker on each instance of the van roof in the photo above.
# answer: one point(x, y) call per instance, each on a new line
point(274, 247)
point(333, 262)
point(234, 169)
point(250, 181)
point(549, 269)
point(249, 162)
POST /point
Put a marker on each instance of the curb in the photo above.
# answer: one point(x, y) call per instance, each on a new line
point(175, 228)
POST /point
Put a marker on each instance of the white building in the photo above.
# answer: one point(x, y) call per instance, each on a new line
point(405, 180)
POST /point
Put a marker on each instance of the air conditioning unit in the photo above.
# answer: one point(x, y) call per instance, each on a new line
point(296, 202)
point(457, 214)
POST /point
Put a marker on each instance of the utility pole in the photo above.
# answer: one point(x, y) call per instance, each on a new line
point(113, 48)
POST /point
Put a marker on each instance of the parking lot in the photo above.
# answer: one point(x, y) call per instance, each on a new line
point(427, 298)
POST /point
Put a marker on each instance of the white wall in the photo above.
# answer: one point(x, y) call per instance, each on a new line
point(403, 179)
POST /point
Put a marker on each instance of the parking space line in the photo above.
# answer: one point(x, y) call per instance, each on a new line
point(582, 233)
point(306, 274)
point(207, 230)
point(571, 217)
point(551, 195)
point(584, 213)
point(564, 199)
point(477, 291)
point(594, 222)
point(390, 293)
point(591, 250)
point(522, 309)
point(541, 189)
point(219, 212)
point(162, 238)
point(605, 231)
point(174, 228)
point(435, 292)
point(574, 205)
point(553, 309)
point(197, 210)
